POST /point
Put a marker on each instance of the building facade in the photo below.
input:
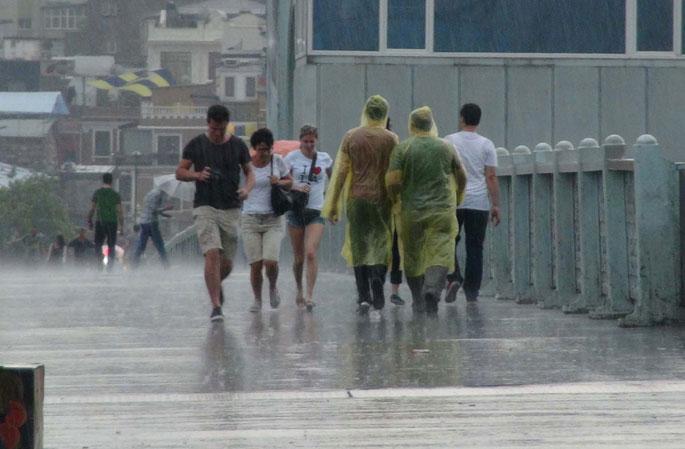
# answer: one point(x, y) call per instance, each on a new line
point(542, 71)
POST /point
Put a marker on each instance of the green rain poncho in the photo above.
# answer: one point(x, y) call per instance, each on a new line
point(357, 187)
point(428, 181)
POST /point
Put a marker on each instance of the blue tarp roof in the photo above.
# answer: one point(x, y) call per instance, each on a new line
point(17, 103)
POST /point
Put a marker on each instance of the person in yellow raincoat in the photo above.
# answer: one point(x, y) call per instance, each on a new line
point(427, 179)
point(357, 189)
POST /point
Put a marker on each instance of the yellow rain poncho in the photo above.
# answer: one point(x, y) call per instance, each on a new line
point(357, 187)
point(428, 181)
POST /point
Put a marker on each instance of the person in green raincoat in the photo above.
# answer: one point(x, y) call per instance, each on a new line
point(427, 179)
point(357, 189)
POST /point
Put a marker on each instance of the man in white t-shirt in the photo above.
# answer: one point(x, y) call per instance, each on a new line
point(479, 158)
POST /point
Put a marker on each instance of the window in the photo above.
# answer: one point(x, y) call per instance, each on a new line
point(346, 25)
point(111, 47)
point(67, 18)
point(102, 146)
point(654, 25)
point(109, 8)
point(25, 23)
point(407, 24)
point(125, 187)
point(179, 64)
point(530, 26)
point(250, 87)
point(229, 87)
point(168, 150)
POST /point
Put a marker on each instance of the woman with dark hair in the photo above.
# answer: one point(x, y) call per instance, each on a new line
point(262, 230)
point(57, 252)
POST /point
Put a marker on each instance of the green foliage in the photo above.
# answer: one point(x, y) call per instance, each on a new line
point(33, 202)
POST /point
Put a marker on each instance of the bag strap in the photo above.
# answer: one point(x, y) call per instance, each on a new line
point(272, 165)
point(311, 167)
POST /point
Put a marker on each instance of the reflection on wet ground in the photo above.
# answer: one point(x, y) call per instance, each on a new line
point(148, 332)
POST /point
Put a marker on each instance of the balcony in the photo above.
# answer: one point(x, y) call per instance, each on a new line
point(178, 111)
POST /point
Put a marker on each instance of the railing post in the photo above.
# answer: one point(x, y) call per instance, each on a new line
point(500, 243)
point(521, 188)
point(591, 163)
point(617, 304)
point(543, 256)
point(658, 236)
point(564, 224)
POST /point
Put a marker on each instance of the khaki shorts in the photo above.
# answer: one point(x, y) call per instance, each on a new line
point(262, 236)
point(217, 229)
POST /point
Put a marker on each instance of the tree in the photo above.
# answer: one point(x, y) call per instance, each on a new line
point(32, 203)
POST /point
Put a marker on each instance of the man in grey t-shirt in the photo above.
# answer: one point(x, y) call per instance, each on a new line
point(481, 201)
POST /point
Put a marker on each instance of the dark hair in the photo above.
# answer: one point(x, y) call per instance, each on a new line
point(107, 178)
point(471, 113)
point(263, 135)
point(218, 113)
point(388, 126)
point(60, 240)
point(309, 130)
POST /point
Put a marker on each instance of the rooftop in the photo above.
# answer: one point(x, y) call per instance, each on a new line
point(33, 103)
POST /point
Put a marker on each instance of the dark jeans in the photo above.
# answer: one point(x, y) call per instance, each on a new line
point(395, 272)
point(106, 232)
point(150, 230)
point(370, 280)
point(474, 223)
point(432, 282)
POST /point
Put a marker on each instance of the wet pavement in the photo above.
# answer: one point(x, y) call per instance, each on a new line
point(138, 348)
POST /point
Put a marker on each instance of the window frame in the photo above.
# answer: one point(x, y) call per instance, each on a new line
point(111, 143)
point(180, 146)
point(631, 51)
point(67, 18)
point(246, 79)
point(225, 79)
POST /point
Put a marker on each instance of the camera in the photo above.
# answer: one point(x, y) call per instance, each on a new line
point(215, 175)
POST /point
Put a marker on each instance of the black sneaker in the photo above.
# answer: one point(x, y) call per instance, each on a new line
point(452, 289)
point(216, 315)
point(396, 299)
point(363, 308)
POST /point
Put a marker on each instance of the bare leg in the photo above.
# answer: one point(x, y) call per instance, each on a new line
point(226, 267)
point(297, 242)
point(256, 280)
point(394, 289)
point(213, 275)
point(271, 268)
point(312, 239)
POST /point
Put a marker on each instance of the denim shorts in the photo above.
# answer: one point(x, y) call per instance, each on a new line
point(310, 216)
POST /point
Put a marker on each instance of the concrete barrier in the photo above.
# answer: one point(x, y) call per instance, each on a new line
point(21, 406)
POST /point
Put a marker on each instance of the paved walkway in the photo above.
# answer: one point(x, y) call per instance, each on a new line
point(133, 362)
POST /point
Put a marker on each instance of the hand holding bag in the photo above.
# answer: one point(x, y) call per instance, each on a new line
point(300, 199)
point(280, 200)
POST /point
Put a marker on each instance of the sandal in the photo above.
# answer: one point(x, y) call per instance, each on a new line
point(310, 305)
point(256, 307)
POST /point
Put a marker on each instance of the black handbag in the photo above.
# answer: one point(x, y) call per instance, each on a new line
point(301, 199)
point(280, 200)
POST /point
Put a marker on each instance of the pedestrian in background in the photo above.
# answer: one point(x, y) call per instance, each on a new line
point(108, 212)
point(153, 207)
point(261, 229)
point(481, 201)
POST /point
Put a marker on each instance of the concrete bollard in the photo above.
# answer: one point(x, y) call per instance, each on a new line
point(21, 406)
point(589, 185)
point(617, 303)
point(501, 254)
point(564, 224)
point(542, 206)
point(521, 206)
point(658, 236)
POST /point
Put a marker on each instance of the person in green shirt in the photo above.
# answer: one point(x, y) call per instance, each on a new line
point(108, 212)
